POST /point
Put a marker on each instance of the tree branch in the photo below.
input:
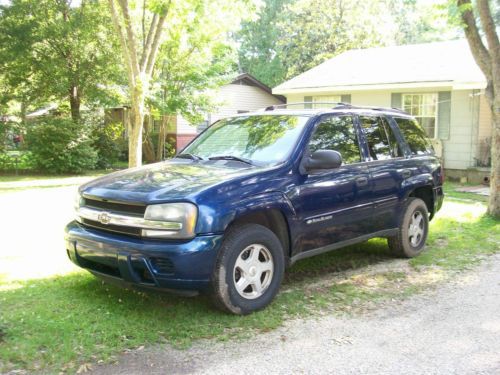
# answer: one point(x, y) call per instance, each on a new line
point(149, 41)
point(123, 40)
point(477, 47)
point(156, 41)
point(131, 40)
point(489, 28)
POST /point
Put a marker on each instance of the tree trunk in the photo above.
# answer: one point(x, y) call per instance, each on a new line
point(23, 111)
point(135, 129)
point(74, 102)
point(147, 146)
point(494, 199)
point(160, 150)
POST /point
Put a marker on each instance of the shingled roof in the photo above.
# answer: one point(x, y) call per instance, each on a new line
point(431, 64)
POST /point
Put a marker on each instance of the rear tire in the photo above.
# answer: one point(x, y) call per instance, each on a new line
point(413, 230)
point(249, 269)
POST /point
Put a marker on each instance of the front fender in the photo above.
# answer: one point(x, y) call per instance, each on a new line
point(211, 220)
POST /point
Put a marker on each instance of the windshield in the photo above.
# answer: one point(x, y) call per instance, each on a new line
point(263, 140)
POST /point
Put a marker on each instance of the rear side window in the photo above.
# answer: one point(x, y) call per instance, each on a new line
point(382, 143)
point(414, 136)
point(337, 133)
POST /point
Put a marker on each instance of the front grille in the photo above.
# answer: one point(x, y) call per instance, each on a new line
point(162, 265)
point(112, 228)
point(122, 208)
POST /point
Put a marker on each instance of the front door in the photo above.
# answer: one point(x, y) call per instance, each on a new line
point(334, 205)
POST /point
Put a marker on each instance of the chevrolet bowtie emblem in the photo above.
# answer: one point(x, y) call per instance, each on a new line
point(104, 218)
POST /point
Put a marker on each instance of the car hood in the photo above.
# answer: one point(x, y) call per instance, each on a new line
point(175, 179)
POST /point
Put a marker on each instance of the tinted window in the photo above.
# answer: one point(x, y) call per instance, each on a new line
point(396, 150)
point(337, 133)
point(377, 134)
point(414, 136)
point(266, 139)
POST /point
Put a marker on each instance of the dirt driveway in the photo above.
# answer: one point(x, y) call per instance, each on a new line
point(454, 329)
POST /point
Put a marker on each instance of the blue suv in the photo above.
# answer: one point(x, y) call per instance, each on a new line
point(255, 193)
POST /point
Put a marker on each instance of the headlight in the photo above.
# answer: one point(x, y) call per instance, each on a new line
point(182, 216)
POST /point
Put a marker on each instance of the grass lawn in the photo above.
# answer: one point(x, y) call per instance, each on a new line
point(55, 317)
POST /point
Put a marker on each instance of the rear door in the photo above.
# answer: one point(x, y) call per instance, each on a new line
point(387, 170)
point(334, 205)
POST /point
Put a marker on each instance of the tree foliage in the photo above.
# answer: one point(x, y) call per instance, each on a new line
point(195, 59)
point(258, 48)
point(291, 36)
point(316, 30)
point(146, 28)
point(53, 50)
point(419, 21)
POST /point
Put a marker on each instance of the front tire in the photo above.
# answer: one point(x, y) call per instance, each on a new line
point(413, 230)
point(249, 269)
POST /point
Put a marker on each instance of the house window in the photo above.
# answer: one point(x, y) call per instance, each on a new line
point(325, 99)
point(425, 109)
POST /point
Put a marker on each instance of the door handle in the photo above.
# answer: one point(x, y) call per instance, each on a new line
point(362, 181)
point(406, 173)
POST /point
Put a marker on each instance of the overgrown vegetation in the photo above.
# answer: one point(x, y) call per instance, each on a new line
point(61, 146)
point(64, 319)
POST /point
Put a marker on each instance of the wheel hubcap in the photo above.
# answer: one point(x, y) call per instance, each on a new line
point(416, 229)
point(253, 271)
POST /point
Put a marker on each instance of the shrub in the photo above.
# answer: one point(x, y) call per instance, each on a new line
point(107, 140)
point(5, 131)
point(59, 145)
point(9, 162)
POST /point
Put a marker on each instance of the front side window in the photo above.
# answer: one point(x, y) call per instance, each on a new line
point(424, 108)
point(337, 133)
point(414, 136)
point(265, 140)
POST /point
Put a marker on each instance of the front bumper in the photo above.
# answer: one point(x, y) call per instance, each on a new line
point(183, 266)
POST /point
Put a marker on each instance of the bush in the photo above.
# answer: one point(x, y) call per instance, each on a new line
point(59, 145)
point(107, 140)
point(9, 162)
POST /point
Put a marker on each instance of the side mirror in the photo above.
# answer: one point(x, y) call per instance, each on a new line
point(323, 159)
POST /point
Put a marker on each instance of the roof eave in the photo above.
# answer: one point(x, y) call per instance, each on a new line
point(446, 85)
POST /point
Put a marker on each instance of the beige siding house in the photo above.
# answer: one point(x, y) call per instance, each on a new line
point(439, 83)
point(244, 94)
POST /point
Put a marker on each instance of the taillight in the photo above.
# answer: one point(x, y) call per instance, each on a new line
point(441, 180)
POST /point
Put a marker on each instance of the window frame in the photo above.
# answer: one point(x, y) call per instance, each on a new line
point(436, 115)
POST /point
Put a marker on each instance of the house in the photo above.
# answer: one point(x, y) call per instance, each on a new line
point(439, 83)
point(244, 94)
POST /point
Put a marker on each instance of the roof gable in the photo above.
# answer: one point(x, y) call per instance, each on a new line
point(249, 80)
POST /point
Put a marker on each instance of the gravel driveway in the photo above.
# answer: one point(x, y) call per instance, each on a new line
point(454, 329)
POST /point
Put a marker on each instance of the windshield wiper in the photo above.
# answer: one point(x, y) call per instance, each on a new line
point(189, 156)
point(230, 157)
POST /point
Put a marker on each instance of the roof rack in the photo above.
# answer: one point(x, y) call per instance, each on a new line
point(277, 106)
point(336, 106)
